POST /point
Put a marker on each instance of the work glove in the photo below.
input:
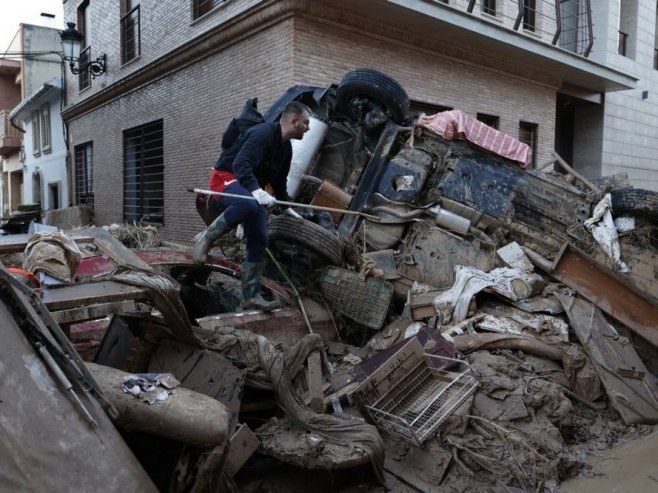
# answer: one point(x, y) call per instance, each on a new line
point(263, 198)
point(290, 212)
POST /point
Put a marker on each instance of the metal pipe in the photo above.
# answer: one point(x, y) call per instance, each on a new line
point(289, 204)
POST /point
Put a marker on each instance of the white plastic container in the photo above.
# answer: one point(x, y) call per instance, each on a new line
point(304, 152)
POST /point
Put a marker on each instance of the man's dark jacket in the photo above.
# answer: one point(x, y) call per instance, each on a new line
point(258, 158)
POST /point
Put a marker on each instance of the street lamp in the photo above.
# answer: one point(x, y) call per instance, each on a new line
point(71, 44)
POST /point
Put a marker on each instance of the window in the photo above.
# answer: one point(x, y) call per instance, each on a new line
point(489, 7)
point(84, 174)
point(202, 7)
point(36, 140)
point(529, 10)
point(629, 24)
point(84, 78)
point(130, 31)
point(528, 135)
point(489, 120)
point(143, 173)
point(427, 108)
point(53, 195)
point(45, 128)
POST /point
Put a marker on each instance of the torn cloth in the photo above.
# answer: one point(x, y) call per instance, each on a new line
point(53, 253)
point(267, 363)
point(514, 284)
point(456, 124)
point(604, 231)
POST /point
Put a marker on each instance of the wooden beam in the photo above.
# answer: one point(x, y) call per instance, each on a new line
point(100, 310)
point(75, 295)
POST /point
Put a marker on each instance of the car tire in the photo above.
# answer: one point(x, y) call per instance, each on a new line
point(309, 235)
point(635, 201)
point(376, 85)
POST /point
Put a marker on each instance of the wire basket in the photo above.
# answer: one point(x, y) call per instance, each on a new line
point(422, 399)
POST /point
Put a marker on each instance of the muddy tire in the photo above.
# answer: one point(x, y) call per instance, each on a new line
point(300, 232)
point(635, 201)
point(373, 85)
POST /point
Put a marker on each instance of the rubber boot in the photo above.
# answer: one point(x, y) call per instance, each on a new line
point(252, 272)
point(216, 229)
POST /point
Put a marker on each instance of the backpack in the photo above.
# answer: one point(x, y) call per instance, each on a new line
point(248, 117)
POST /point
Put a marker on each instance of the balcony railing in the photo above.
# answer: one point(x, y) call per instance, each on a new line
point(563, 23)
point(10, 136)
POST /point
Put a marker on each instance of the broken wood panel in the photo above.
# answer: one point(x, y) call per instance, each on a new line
point(244, 443)
point(92, 312)
point(203, 371)
point(608, 293)
point(75, 295)
point(628, 384)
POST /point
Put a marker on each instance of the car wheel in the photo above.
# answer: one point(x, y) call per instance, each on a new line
point(293, 231)
point(372, 85)
point(635, 201)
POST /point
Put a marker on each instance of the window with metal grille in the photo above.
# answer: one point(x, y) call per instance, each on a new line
point(84, 79)
point(45, 128)
point(489, 7)
point(131, 45)
point(83, 156)
point(202, 7)
point(529, 14)
point(528, 135)
point(489, 120)
point(36, 131)
point(143, 173)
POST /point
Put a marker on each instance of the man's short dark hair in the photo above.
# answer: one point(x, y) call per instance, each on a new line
point(295, 108)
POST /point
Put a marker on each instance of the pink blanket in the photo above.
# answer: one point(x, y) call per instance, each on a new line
point(456, 124)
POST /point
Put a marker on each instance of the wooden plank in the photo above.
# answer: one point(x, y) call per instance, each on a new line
point(203, 371)
point(13, 243)
point(608, 293)
point(243, 444)
point(631, 388)
point(75, 295)
point(315, 392)
point(92, 312)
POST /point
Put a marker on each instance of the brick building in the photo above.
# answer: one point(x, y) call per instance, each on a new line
point(177, 71)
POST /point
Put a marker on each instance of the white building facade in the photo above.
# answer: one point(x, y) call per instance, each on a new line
point(44, 167)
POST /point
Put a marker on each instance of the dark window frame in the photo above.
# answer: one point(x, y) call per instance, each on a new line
point(131, 42)
point(529, 15)
point(529, 134)
point(492, 121)
point(203, 7)
point(83, 164)
point(143, 173)
point(427, 108)
point(489, 7)
point(84, 78)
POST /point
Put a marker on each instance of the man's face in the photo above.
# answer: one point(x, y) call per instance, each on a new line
point(300, 124)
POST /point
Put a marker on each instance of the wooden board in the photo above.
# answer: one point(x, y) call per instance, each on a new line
point(87, 293)
point(629, 385)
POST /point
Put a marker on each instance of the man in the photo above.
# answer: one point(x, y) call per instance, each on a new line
point(261, 156)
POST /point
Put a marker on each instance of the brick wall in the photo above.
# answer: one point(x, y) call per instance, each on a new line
point(323, 53)
point(195, 104)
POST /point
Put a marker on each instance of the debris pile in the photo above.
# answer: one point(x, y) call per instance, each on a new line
point(485, 329)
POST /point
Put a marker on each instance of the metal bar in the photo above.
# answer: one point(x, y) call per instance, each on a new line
point(290, 204)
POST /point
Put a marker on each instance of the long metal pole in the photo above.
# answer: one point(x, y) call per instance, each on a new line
point(289, 204)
